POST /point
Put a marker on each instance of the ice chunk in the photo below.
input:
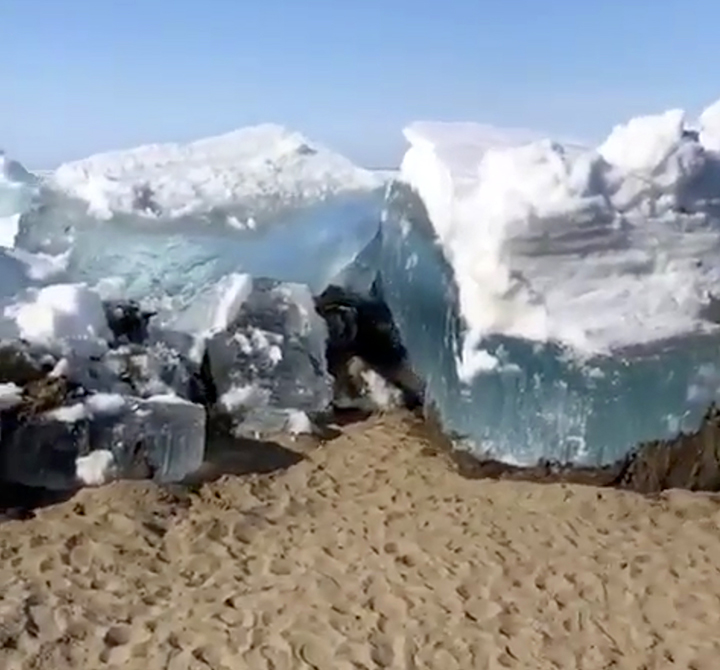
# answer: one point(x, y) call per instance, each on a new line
point(308, 245)
point(545, 293)
point(162, 437)
point(10, 395)
point(651, 161)
point(42, 450)
point(69, 314)
point(270, 361)
point(298, 423)
point(95, 469)
point(210, 312)
point(69, 413)
point(99, 404)
point(41, 268)
point(167, 219)
point(710, 127)
point(140, 370)
point(539, 249)
point(13, 275)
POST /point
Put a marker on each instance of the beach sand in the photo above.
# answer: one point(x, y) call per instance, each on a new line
point(370, 552)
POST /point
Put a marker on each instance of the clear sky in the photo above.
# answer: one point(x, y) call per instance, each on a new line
point(80, 76)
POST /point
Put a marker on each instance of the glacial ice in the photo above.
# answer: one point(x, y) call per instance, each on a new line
point(559, 302)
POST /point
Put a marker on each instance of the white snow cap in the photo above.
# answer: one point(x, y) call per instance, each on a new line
point(235, 169)
point(593, 249)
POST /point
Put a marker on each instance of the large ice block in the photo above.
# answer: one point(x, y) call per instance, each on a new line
point(161, 437)
point(310, 245)
point(269, 364)
point(559, 304)
point(173, 219)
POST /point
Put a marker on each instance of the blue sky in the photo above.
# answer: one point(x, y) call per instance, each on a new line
point(80, 76)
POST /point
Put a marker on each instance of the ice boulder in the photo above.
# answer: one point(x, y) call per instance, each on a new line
point(69, 316)
point(161, 437)
point(141, 370)
point(558, 303)
point(268, 365)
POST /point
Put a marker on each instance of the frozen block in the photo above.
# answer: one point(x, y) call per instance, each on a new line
point(270, 360)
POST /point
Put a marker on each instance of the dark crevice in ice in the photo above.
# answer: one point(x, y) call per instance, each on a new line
point(362, 327)
point(127, 321)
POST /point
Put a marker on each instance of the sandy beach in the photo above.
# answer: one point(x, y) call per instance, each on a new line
point(368, 551)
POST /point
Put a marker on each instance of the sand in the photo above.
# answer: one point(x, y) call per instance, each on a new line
point(369, 553)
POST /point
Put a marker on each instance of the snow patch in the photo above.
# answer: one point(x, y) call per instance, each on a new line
point(60, 312)
point(68, 414)
point(298, 423)
point(244, 397)
point(10, 395)
point(169, 399)
point(381, 393)
point(105, 403)
point(96, 468)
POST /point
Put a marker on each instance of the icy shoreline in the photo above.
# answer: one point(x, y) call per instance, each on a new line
point(556, 301)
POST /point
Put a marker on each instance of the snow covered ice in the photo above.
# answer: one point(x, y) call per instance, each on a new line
point(571, 290)
point(186, 230)
point(172, 219)
point(558, 301)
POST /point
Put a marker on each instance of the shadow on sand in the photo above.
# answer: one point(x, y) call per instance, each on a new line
point(224, 455)
point(18, 501)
